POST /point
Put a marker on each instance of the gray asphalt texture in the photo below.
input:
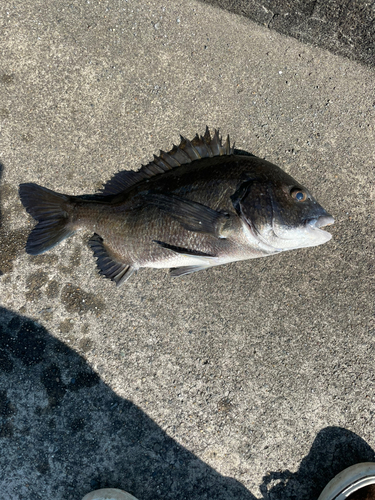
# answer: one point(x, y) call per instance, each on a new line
point(345, 28)
point(251, 380)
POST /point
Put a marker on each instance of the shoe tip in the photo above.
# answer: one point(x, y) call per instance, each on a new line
point(108, 494)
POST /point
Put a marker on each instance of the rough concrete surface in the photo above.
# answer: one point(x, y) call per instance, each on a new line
point(251, 380)
point(345, 27)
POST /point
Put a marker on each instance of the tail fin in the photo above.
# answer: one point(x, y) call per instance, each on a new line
point(50, 209)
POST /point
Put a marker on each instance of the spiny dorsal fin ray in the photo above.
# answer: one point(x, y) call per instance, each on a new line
point(187, 152)
point(201, 146)
point(189, 149)
point(215, 145)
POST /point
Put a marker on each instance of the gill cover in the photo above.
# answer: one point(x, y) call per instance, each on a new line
point(253, 203)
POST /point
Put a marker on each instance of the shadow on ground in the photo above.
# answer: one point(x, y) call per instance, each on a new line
point(334, 449)
point(344, 28)
point(64, 432)
point(1, 173)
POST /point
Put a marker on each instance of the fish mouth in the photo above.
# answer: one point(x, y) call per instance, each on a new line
point(319, 222)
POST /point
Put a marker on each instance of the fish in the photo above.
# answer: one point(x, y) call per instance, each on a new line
point(202, 204)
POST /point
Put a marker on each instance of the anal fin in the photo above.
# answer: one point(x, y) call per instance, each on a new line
point(109, 266)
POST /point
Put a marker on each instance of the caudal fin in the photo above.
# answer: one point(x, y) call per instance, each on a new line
point(51, 210)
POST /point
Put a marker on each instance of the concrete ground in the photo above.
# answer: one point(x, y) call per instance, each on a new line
point(251, 380)
point(345, 28)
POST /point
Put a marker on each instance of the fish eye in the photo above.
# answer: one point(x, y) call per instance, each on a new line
point(298, 194)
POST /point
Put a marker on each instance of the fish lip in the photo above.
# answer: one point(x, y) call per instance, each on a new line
point(319, 222)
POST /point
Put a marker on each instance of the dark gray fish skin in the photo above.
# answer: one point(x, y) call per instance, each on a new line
point(198, 206)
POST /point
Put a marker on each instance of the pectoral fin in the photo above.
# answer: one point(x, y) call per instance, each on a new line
point(183, 251)
point(191, 215)
point(181, 271)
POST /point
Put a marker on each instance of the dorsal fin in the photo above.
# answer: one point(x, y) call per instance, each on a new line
point(187, 152)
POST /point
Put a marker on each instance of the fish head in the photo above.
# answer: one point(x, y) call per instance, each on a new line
point(282, 214)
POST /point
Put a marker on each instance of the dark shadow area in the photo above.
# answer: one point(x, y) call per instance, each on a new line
point(1, 174)
point(64, 432)
point(345, 28)
point(333, 450)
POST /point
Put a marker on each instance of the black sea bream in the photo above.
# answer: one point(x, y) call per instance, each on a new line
point(203, 204)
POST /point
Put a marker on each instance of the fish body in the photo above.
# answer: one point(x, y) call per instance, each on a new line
point(202, 204)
